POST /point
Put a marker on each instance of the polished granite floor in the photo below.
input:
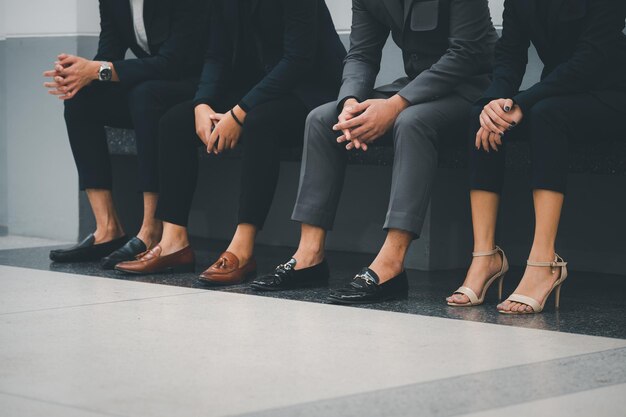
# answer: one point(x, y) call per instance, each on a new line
point(592, 304)
point(74, 343)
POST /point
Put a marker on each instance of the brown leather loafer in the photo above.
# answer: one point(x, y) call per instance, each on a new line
point(226, 271)
point(151, 262)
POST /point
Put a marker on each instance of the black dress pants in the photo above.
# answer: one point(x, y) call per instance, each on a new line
point(111, 104)
point(267, 128)
point(549, 126)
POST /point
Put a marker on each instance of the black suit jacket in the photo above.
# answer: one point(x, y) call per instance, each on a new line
point(176, 37)
point(447, 47)
point(582, 47)
point(299, 50)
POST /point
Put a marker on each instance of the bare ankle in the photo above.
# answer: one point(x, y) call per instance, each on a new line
point(307, 257)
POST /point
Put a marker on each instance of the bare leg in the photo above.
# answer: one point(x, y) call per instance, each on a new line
point(174, 238)
point(537, 281)
point(151, 228)
point(108, 225)
point(484, 217)
point(242, 245)
point(390, 259)
point(311, 248)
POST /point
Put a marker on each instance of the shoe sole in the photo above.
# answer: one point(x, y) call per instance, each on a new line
point(171, 270)
point(356, 302)
point(262, 288)
point(226, 284)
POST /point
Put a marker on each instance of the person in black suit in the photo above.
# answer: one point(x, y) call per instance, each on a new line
point(581, 97)
point(268, 64)
point(166, 37)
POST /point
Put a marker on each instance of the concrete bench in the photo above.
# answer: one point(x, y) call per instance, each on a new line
point(592, 227)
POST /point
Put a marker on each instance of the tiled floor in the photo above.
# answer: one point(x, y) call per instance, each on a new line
point(75, 344)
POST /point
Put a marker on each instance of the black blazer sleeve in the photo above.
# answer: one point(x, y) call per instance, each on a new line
point(174, 54)
point(596, 46)
point(299, 48)
point(111, 47)
point(511, 56)
point(217, 60)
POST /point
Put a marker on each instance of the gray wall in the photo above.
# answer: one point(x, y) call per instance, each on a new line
point(4, 208)
point(42, 198)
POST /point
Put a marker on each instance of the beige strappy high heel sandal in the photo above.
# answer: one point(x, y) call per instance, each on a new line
point(474, 300)
point(534, 304)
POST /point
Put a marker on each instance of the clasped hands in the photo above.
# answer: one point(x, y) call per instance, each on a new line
point(498, 117)
point(70, 74)
point(219, 132)
point(363, 123)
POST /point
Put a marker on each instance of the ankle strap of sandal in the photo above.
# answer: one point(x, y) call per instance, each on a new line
point(557, 263)
point(487, 253)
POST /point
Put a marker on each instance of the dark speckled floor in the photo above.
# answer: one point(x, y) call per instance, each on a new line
point(592, 304)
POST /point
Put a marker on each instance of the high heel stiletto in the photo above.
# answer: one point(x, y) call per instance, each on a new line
point(556, 287)
point(475, 300)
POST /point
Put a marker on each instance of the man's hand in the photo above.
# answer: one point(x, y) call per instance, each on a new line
point(204, 124)
point(497, 117)
point(227, 131)
point(347, 114)
point(71, 73)
point(375, 118)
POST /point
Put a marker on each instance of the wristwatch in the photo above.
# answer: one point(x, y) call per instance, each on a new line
point(105, 73)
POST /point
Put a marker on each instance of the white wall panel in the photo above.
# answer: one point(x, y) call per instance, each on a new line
point(40, 17)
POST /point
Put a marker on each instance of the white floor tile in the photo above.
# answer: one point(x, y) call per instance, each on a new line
point(11, 406)
point(30, 289)
point(217, 354)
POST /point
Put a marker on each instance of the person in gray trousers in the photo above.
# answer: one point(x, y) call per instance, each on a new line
point(447, 47)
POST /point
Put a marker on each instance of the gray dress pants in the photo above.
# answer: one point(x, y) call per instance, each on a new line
point(415, 137)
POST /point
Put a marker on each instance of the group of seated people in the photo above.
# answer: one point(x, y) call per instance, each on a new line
point(268, 74)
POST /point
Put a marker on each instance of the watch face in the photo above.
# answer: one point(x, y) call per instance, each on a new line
point(106, 74)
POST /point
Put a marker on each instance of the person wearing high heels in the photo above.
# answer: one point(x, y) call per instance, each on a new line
point(268, 64)
point(581, 96)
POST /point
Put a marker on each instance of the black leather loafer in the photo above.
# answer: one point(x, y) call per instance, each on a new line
point(285, 277)
point(365, 289)
point(87, 250)
point(128, 252)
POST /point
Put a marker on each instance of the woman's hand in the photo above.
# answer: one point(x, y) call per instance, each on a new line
point(204, 123)
point(227, 131)
point(497, 117)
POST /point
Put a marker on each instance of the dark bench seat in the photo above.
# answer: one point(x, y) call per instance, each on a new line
point(607, 157)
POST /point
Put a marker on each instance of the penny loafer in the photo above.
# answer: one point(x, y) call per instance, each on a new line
point(226, 271)
point(128, 252)
point(365, 288)
point(152, 262)
point(286, 277)
point(87, 250)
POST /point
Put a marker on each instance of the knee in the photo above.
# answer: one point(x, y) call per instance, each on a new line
point(547, 112)
point(410, 129)
point(143, 94)
point(81, 105)
point(170, 122)
point(324, 116)
point(319, 125)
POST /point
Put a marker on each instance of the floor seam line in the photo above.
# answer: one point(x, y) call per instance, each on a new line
point(102, 303)
point(39, 400)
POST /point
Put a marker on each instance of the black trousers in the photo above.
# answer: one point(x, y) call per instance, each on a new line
point(549, 126)
point(112, 104)
point(267, 128)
